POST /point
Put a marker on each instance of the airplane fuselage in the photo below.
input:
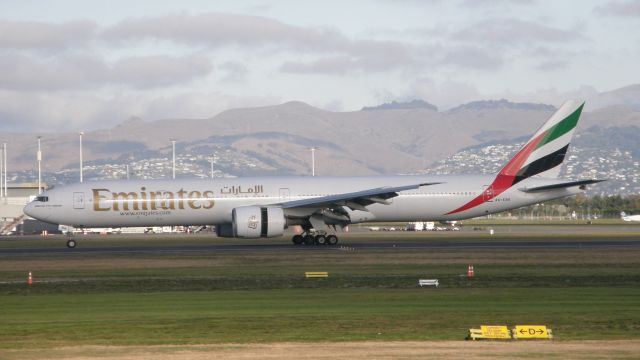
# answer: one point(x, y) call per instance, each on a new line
point(211, 201)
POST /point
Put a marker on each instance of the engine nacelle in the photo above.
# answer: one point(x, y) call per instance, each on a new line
point(258, 221)
point(224, 230)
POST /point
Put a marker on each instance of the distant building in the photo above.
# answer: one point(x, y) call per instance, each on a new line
point(11, 205)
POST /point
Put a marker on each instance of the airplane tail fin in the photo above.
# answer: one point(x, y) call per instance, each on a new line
point(543, 154)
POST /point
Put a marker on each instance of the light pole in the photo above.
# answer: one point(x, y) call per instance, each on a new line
point(313, 160)
point(173, 146)
point(1, 176)
point(211, 160)
point(4, 155)
point(81, 133)
point(39, 157)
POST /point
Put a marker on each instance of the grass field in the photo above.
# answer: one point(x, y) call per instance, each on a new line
point(262, 296)
point(201, 317)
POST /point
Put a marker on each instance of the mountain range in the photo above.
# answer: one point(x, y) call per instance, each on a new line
point(388, 139)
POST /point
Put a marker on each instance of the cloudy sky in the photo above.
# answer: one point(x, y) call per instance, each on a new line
point(82, 65)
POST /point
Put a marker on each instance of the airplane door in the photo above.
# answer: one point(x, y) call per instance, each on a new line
point(78, 200)
point(284, 194)
point(487, 193)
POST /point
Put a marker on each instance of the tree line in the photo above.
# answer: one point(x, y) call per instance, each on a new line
point(583, 206)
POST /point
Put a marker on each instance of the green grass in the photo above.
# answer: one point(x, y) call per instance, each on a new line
point(132, 318)
point(246, 296)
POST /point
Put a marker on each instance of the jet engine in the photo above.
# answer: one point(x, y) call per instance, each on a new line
point(257, 221)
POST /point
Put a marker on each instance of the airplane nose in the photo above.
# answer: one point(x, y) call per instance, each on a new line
point(35, 212)
point(28, 210)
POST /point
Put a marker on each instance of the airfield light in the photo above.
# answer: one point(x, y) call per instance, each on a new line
point(4, 155)
point(81, 168)
point(173, 168)
point(39, 157)
point(211, 160)
point(1, 176)
point(313, 160)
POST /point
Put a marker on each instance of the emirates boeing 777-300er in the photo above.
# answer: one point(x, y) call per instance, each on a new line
point(255, 207)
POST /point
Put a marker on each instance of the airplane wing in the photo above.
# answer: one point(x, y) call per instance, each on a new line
point(560, 185)
point(354, 200)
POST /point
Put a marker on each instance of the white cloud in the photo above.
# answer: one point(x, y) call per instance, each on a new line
point(620, 8)
point(22, 72)
point(160, 70)
point(47, 36)
point(77, 72)
point(235, 71)
point(503, 32)
point(336, 65)
point(69, 74)
point(217, 29)
point(471, 57)
point(495, 3)
point(71, 111)
point(552, 65)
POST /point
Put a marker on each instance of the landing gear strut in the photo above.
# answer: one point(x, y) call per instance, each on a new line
point(71, 243)
point(315, 238)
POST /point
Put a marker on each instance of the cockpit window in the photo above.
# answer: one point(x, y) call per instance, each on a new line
point(42, 198)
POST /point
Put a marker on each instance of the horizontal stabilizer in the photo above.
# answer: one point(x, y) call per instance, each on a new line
point(561, 185)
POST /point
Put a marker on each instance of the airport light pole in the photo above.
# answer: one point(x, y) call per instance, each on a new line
point(313, 160)
point(211, 160)
point(1, 175)
point(39, 157)
point(4, 155)
point(81, 167)
point(173, 145)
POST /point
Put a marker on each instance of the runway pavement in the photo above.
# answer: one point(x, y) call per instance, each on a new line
point(400, 245)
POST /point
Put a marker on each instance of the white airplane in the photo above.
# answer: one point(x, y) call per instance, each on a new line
point(626, 217)
point(256, 207)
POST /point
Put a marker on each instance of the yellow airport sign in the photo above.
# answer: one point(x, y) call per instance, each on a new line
point(316, 274)
point(532, 332)
point(495, 332)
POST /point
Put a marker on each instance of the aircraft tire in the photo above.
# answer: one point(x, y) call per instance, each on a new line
point(332, 240)
point(320, 240)
point(71, 244)
point(309, 240)
point(297, 239)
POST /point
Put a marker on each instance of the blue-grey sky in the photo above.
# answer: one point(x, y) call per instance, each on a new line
point(81, 65)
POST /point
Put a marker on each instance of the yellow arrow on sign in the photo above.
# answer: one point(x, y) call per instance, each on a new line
point(495, 332)
point(532, 332)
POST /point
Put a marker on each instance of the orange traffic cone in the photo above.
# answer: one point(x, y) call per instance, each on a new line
point(30, 279)
point(470, 272)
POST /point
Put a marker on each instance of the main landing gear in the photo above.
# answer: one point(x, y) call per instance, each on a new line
point(317, 238)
